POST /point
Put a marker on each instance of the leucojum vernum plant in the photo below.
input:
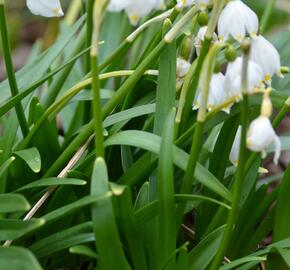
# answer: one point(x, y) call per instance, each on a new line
point(138, 138)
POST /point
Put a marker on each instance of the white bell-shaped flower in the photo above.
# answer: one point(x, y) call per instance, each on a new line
point(260, 135)
point(202, 4)
point(138, 9)
point(217, 94)
point(199, 39)
point(182, 67)
point(237, 20)
point(265, 54)
point(118, 5)
point(185, 3)
point(233, 78)
point(235, 151)
point(159, 4)
point(51, 8)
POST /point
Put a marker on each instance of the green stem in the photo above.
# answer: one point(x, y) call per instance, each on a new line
point(60, 79)
point(201, 118)
point(186, 110)
point(237, 188)
point(10, 70)
point(98, 125)
point(267, 15)
point(89, 31)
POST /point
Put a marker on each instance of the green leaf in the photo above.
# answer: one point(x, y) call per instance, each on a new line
point(151, 142)
point(69, 209)
point(35, 70)
point(10, 203)
point(83, 250)
point(17, 258)
point(149, 211)
point(133, 235)
point(62, 240)
point(201, 256)
point(11, 229)
point(244, 260)
point(32, 158)
point(53, 181)
point(166, 201)
point(3, 169)
point(104, 224)
point(282, 214)
point(129, 114)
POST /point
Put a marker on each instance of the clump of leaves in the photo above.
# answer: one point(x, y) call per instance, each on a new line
point(104, 163)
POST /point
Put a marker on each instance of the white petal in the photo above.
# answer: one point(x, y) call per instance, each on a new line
point(217, 94)
point(118, 5)
point(138, 9)
point(182, 67)
point(261, 134)
point(265, 54)
point(184, 3)
point(51, 8)
point(236, 20)
point(233, 76)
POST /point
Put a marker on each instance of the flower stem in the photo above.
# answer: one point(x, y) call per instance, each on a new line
point(207, 72)
point(10, 70)
point(187, 108)
point(237, 188)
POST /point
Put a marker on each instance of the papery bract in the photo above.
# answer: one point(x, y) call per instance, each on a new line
point(235, 151)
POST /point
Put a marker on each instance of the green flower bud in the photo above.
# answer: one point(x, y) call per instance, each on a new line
point(186, 48)
point(231, 54)
point(202, 19)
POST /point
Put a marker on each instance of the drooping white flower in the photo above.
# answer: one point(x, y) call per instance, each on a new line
point(237, 20)
point(118, 5)
point(182, 67)
point(138, 9)
point(159, 4)
point(184, 3)
point(217, 94)
point(235, 151)
point(233, 78)
point(260, 135)
point(51, 8)
point(202, 4)
point(265, 54)
point(199, 39)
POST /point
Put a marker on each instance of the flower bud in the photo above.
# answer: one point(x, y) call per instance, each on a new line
point(186, 48)
point(202, 18)
point(231, 54)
